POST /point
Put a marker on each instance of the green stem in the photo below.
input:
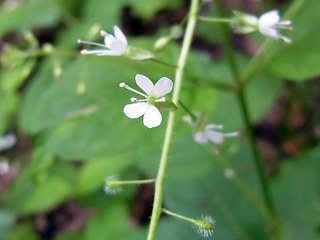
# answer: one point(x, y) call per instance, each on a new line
point(133, 182)
point(193, 116)
point(245, 113)
point(159, 186)
point(211, 19)
point(164, 63)
point(166, 211)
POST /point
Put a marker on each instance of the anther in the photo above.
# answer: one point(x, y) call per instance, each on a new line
point(103, 33)
point(163, 99)
point(133, 100)
point(122, 85)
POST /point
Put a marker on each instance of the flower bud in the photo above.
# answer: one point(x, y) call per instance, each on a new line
point(244, 23)
point(161, 42)
point(138, 53)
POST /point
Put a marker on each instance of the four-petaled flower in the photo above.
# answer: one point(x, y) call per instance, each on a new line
point(269, 23)
point(116, 45)
point(154, 94)
point(209, 134)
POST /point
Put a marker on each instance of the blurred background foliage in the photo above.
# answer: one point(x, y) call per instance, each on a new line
point(67, 112)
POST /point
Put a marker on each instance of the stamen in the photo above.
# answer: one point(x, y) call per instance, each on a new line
point(134, 100)
point(123, 85)
point(286, 22)
point(163, 99)
point(91, 43)
point(103, 33)
point(234, 134)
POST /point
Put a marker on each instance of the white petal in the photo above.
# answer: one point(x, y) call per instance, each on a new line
point(108, 39)
point(269, 19)
point(214, 136)
point(200, 137)
point(213, 126)
point(118, 47)
point(145, 84)
point(152, 117)
point(270, 32)
point(109, 53)
point(135, 110)
point(120, 36)
point(163, 87)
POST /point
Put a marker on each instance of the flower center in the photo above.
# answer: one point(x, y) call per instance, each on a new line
point(152, 100)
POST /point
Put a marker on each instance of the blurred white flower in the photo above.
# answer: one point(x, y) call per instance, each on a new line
point(7, 141)
point(209, 134)
point(4, 167)
point(154, 94)
point(229, 173)
point(116, 45)
point(269, 23)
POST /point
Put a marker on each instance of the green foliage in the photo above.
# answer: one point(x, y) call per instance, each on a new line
point(299, 60)
point(71, 108)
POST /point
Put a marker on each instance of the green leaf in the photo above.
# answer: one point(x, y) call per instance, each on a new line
point(39, 191)
point(296, 194)
point(29, 14)
point(24, 230)
point(299, 60)
point(92, 174)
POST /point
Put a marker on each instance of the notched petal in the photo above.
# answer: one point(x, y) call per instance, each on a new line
point(135, 110)
point(152, 118)
point(163, 87)
point(145, 84)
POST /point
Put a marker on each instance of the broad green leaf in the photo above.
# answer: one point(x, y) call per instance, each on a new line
point(7, 219)
point(297, 197)
point(29, 14)
point(299, 60)
point(24, 230)
point(35, 192)
point(92, 174)
point(8, 105)
point(211, 193)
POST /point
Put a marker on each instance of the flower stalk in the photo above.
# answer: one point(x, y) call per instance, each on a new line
point(245, 114)
point(159, 186)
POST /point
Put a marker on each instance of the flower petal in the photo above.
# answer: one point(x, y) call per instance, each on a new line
point(152, 117)
point(120, 36)
point(214, 136)
point(200, 137)
point(118, 47)
point(145, 84)
point(108, 39)
point(135, 110)
point(163, 87)
point(269, 19)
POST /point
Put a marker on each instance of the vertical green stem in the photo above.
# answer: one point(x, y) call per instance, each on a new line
point(245, 113)
point(159, 186)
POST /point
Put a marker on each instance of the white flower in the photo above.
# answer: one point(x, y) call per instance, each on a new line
point(154, 94)
point(116, 45)
point(208, 134)
point(4, 167)
point(269, 23)
point(7, 141)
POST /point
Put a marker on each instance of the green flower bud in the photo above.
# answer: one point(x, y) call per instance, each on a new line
point(138, 53)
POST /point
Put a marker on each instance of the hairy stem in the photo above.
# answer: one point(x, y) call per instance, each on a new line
point(159, 186)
